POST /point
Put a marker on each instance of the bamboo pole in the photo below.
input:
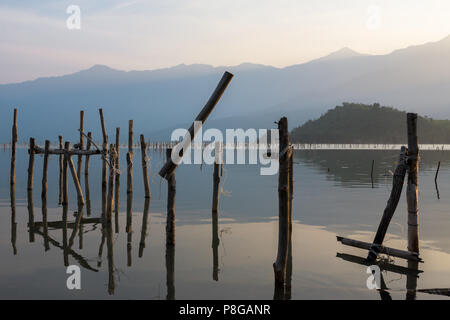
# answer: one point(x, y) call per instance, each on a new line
point(81, 143)
point(169, 167)
point(13, 150)
point(171, 194)
point(279, 265)
point(412, 190)
point(31, 165)
point(130, 158)
point(397, 186)
point(104, 162)
point(117, 180)
point(60, 198)
point(144, 166)
point(45, 172)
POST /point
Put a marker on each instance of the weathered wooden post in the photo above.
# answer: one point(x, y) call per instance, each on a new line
point(279, 265)
point(104, 162)
point(110, 198)
point(86, 176)
point(289, 258)
point(117, 180)
point(45, 172)
point(144, 166)
point(13, 219)
point(81, 143)
point(76, 181)
point(170, 271)
point(411, 190)
point(13, 150)
point(171, 193)
point(397, 186)
point(65, 201)
point(130, 179)
point(169, 167)
point(215, 218)
point(60, 198)
point(31, 151)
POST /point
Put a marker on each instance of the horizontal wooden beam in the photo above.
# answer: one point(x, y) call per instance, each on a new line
point(39, 150)
point(386, 250)
point(60, 224)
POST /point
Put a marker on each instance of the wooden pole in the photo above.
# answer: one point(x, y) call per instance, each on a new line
point(13, 150)
point(397, 186)
point(60, 198)
point(81, 143)
point(170, 271)
point(45, 172)
point(65, 201)
point(104, 164)
point(288, 286)
point(13, 219)
point(144, 166)
point(110, 200)
point(129, 200)
point(130, 158)
point(117, 180)
point(86, 176)
point(169, 167)
point(279, 265)
point(371, 172)
point(215, 220)
point(412, 190)
point(76, 181)
point(31, 165)
point(171, 194)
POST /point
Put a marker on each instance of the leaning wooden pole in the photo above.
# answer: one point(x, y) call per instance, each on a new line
point(76, 181)
point(397, 186)
point(86, 176)
point(412, 189)
point(279, 265)
point(169, 167)
point(13, 150)
point(104, 162)
point(171, 194)
point(145, 166)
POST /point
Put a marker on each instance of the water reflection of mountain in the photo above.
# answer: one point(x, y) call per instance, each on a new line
point(352, 168)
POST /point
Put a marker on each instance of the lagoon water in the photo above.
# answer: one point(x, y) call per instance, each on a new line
point(333, 195)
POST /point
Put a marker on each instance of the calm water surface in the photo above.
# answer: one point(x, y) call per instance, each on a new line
point(333, 195)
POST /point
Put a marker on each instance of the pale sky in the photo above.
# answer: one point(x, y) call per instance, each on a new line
point(143, 35)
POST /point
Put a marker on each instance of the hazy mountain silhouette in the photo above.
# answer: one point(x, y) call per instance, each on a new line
point(416, 78)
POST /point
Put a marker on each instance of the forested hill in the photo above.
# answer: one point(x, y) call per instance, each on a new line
point(360, 123)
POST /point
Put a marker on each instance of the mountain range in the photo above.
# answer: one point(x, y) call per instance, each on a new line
point(415, 79)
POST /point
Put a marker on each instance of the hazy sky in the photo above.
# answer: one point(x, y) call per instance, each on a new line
point(138, 34)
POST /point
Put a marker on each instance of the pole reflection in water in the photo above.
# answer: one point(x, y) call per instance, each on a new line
point(13, 219)
point(144, 227)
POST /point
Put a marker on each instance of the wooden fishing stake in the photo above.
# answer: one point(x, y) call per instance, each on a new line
point(60, 198)
point(13, 150)
point(397, 186)
point(129, 179)
point(110, 200)
point(411, 189)
point(86, 176)
point(144, 167)
point(104, 162)
point(76, 181)
point(117, 180)
point(279, 265)
point(45, 172)
point(81, 143)
point(65, 201)
point(169, 167)
point(171, 193)
point(31, 151)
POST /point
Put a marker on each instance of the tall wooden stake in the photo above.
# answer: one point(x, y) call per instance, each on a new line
point(412, 190)
point(60, 198)
point(129, 179)
point(81, 143)
point(171, 193)
point(31, 151)
point(13, 150)
point(65, 201)
point(104, 164)
point(117, 180)
point(144, 166)
point(279, 266)
point(45, 172)
point(86, 176)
